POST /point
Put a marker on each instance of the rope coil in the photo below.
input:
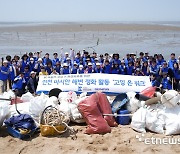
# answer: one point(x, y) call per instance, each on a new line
point(51, 116)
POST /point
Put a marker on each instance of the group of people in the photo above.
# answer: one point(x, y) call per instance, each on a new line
point(22, 72)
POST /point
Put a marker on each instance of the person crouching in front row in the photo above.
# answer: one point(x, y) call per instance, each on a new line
point(19, 84)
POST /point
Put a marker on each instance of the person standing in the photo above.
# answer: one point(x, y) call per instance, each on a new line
point(4, 74)
point(32, 83)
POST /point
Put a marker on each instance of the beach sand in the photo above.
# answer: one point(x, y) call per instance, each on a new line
point(113, 37)
point(122, 139)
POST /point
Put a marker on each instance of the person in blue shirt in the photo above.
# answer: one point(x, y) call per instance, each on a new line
point(98, 68)
point(154, 68)
point(81, 69)
point(38, 65)
point(107, 67)
point(8, 58)
point(49, 68)
point(84, 57)
point(137, 64)
point(127, 59)
point(122, 68)
point(31, 55)
point(55, 60)
point(154, 81)
point(89, 68)
point(4, 74)
point(31, 64)
point(129, 69)
point(166, 83)
point(68, 62)
point(101, 59)
point(88, 60)
point(58, 67)
point(146, 56)
point(26, 74)
point(145, 68)
point(160, 60)
point(24, 62)
point(115, 68)
point(19, 84)
point(65, 69)
point(78, 58)
point(141, 56)
point(138, 72)
point(163, 68)
point(172, 61)
point(75, 68)
point(46, 59)
point(115, 59)
point(176, 79)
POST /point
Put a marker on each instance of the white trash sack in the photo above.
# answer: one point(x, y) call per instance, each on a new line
point(68, 104)
point(52, 101)
point(37, 105)
point(23, 108)
point(138, 122)
point(27, 97)
point(170, 99)
point(4, 112)
point(172, 116)
point(134, 104)
point(155, 118)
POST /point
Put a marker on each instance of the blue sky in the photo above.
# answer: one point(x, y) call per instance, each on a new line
point(89, 10)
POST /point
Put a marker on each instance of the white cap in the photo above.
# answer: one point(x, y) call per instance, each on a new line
point(98, 64)
point(89, 64)
point(75, 63)
point(96, 59)
point(65, 64)
point(68, 58)
point(5, 61)
point(39, 59)
point(32, 59)
point(80, 66)
point(66, 53)
point(32, 72)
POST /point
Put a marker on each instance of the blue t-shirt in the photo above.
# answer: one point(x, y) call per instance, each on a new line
point(4, 73)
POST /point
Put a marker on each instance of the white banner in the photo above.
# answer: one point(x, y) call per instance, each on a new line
point(108, 83)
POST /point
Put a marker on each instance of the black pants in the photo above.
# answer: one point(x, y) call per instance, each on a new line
point(176, 85)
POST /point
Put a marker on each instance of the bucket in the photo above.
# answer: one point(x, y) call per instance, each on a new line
point(123, 120)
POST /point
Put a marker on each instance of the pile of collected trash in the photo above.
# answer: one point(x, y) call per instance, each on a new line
point(159, 114)
point(51, 114)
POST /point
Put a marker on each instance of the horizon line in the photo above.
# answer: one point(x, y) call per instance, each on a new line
point(88, 21)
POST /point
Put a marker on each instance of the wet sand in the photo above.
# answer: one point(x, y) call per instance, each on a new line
point(78, 27)
point(121, 38)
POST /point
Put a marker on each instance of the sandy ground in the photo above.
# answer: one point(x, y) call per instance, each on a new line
point(122, 139)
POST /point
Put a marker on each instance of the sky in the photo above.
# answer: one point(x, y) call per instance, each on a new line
point(89, 10)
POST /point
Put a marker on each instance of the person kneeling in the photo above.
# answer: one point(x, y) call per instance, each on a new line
point(19, 84)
